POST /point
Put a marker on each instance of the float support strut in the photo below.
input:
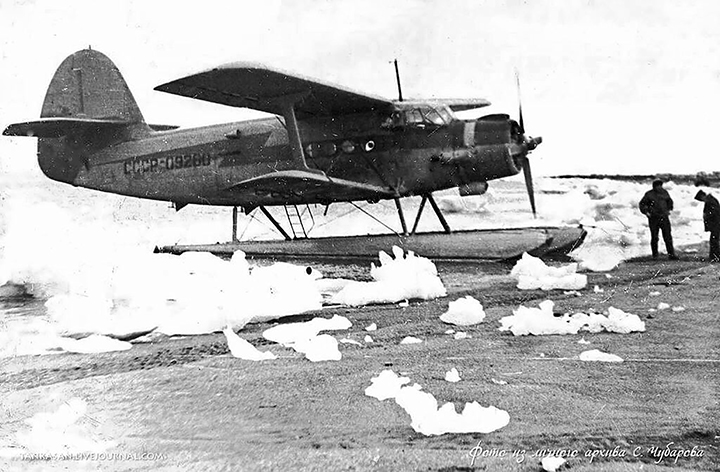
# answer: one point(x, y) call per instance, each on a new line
point(419, 213)
point(439, 214)
point(275, 223)
point(402, 216)
point(234, 224)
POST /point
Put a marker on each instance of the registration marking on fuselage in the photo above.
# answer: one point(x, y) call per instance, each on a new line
point(143, 165)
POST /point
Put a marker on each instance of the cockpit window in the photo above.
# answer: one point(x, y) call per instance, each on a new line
point(425, 116)
point(433, 117)
point(445, 114)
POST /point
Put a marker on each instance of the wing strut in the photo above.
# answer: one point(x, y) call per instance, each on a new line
point(287, 105)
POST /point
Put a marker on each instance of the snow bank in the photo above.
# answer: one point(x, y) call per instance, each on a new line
point(405, 277)
point(195, 293)
point(305, 337)
point(616, 228)
point(426, 417)
point(465, 311)
point(542, 321)
point(532, 274)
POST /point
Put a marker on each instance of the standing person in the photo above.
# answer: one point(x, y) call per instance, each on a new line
point(656, 204)
point(711, 218)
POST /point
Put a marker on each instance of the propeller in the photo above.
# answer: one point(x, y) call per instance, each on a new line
point(530, 143)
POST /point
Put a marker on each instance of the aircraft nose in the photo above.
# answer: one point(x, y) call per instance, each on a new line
point(532, 143)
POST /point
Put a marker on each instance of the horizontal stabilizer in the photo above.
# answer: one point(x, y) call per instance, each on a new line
point(56, 127)
point(298, 186)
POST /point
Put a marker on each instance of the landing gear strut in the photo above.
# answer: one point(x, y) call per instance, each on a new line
point(425, 198)
point(401, 214)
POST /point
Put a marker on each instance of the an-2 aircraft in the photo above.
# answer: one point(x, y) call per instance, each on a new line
point(327, 143)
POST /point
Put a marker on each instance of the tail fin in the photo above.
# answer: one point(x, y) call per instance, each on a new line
point(88, 85)
point(87, 107)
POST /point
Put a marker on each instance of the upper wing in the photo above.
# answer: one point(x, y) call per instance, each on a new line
point(297, 186)
point(258, 87)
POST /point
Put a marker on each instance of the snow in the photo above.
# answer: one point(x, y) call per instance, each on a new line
point(57, 432)
point(322, 347)
point(386, 385)
point(452, 375)
point(242, 349)
point(598, 356)
point(532, 274)
point(305, 337)
point(195, 293)
point(663, 306)
point(466, 311)
point(542, 321)
point(290, 333)
point(371, 327)
point(410, 340)
point(426, 418)
point(552, 463)
point(93, 344)
point(368, 339)
point(404, 277)
point(89, 254)
point(461, 335)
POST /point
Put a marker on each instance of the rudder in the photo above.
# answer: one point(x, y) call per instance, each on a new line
point(88, 85)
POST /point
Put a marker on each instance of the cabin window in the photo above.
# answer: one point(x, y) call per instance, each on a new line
point(413, 117)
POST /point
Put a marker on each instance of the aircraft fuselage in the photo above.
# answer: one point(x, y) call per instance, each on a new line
point(201, 165)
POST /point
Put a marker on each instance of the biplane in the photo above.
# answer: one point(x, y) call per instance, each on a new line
point(325, 144)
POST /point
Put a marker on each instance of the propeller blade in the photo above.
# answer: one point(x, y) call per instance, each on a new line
point(529, 183)
point(521, 122)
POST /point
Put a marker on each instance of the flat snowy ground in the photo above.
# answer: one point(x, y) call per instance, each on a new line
point(188, 404)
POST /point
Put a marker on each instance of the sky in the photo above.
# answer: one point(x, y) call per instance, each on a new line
point(612, 86)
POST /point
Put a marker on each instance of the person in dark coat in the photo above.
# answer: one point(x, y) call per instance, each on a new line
point(656, 204)
point(711, 218)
